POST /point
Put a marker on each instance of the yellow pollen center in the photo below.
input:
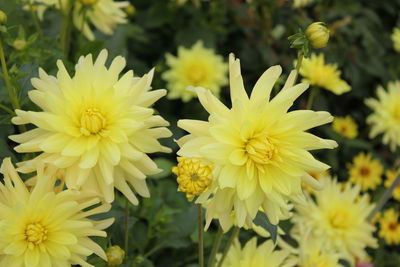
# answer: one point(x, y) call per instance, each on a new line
point(340, 220)
point(35, 233)
point(194, 177)
point(260, 150)
point(196, 75)
point(364, 171)
point(92, 121)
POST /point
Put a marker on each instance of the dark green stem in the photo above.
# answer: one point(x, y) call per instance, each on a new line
point(215, 248)
point(311, 97)
point(126, 221)
point(300, 57)
point(233, 236)
point(200, 234)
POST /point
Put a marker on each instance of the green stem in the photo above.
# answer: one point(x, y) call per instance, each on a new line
point(386, 196)
point(215, 248)
point(35, 19)
point(126, 221)
point(300, 57)
point(66, 12)
point(229, 244)
point(311, 97)
point(200, 234)
point(6, 109)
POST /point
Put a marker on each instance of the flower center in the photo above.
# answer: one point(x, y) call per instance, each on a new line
point(260, 150)
point(196, 75)
point(392, 226)
point(92, 121)
point(339, 220)
point(35, 233)
point(364, 171)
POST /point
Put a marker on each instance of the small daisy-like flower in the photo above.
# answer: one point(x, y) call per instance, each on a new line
point(96, 126)
point(194, 67)
point(258, 149)
point(316, 72)
point(41, 228)
point(396, 39)
point(194, 176)
point(345, 126)
point(338, 217)
point(385, 118)
point(365, 171)
point(252, 255)
point(390, 227)
point(391, 175)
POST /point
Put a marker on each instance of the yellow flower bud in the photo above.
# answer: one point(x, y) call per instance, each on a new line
point(130, 10)
point(318, 34)
point(3, 17)
point(115, 256)
point(19, 44)
point(89, 2)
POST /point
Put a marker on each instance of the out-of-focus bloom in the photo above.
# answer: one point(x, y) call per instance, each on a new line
point(96, 126)
point(385, 118)
point(259, 150)
point(252, 255)
point(302, 3)
point(41, 228)
point(130, 10)
point(365, 171)
point(338, 217)
point(317, 176)
point(194, 176)
point(19, 44)
point(396, 39)
point(3, 17)
point(345, 126)
point(390, 227)
point(317, 73)
point(40, 6)
point(115, 256)
point(318, 34)
point(194, 67)
point(391, 175)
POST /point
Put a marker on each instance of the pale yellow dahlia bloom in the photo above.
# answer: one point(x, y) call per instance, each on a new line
point(396, 39)
point(338, 217)
point(96, 126)
point(365, 171)
point(386, 117)
point(345, 126)
point(194, 67)
point(391, 175)
point(318, 73)
point(259, 150)
point(252, 255)
point(390, 227)
point(41, 228)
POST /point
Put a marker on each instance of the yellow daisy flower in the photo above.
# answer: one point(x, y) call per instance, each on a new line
point(96, 126)
point(391, 175)
point(386, 117)
point(41, 228)
point(252, 255)
point(317, 73)
point(259, 150)
point(365, 171)
point(338, 217)
point(390, 227)
point(345, 126)
point(194, 67)
point(396, 39)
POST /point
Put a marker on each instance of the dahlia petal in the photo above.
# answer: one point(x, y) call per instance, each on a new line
point(228, 177)
point(63, 238)
point(124, 188)
point(265, 83)
point(31, 257)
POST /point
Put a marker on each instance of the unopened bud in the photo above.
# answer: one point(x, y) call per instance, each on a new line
point(115, 256)
point(130, 10)
point(19, 44)
point(3, 17)
point(318, 34)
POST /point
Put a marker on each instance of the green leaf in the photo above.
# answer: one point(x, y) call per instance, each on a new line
point(263, 221)
point(164, 164)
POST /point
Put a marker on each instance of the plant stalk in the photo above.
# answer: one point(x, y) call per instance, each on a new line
point(311, 97)
point(35, 19)
point(126, 221)
point(300, 57)
point(229, 244)
point(200, 234)
point(215, 248)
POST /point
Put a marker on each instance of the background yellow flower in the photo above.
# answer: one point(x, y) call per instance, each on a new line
point(345, 126)
point(391, 175)
point(396, 39)
point(365, 171)
point(390, 227)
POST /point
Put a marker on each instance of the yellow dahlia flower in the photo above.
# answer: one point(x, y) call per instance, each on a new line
point(396, 39)
point(390, 227)
point(317, 73)
point(365, 171)
point(391, 175)
point(345, 126)
point(41, 228)
point(338, 217)
point(96, 126)
point(259, 150)
point(194, 67)
point(252, 255)
point(386, 117)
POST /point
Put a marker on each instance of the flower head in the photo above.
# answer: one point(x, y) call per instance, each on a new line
point(396, 39)
point(115, 256)
point(194, 176)
point(258, 149)
point(302, 3)
point(390, 227)
point(44, 228)
point(365, 171)
point(345, 126)
point(318, 34)
point(391, 175)
point(3, 17)
point(316, 72)
point(386, 117)
point(194, 67)
point(338, 217)
point(96, 126)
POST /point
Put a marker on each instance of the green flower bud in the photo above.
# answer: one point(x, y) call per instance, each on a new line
point(130, 10)
point(115, 256)
point(318, 34)
point(19, 44)
point(3, 17)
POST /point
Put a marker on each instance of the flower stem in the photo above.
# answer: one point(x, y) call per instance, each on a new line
point(35, 19)
point(215, 248)
point(311, 97)
point(200, 235)
point(6, 109)
point(229, 244)
point(384, 198)
point(300, 57)
point(65, 36)
point(126, 221)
